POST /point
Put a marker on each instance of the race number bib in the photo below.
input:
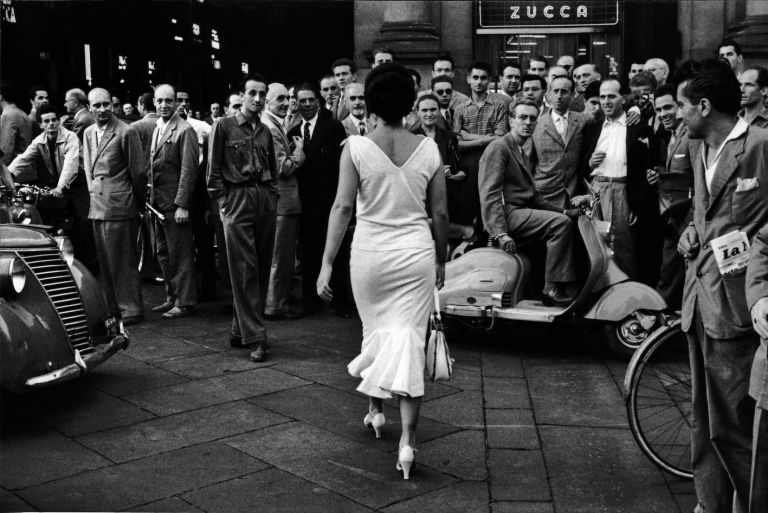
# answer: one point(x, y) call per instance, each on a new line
point(731, 252)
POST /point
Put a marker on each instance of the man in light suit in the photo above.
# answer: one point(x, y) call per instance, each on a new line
point(731, 184)
point(556, 150)
point(357, 123)
point(514, 212)
point(288, 205)
point(757, 300)
point(619, 157)
point(318, 179)
point(345, 73)
point(174, 153)
point(116, 176)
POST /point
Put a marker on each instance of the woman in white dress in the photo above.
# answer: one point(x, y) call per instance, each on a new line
point(396, 260)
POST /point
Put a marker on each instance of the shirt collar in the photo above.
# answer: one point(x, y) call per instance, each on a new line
point(621, 121)
point(312, 121)
point(556, 116)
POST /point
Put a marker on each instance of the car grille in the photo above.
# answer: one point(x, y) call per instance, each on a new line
point(54, 275)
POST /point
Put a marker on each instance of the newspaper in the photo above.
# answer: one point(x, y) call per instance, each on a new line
point(731, 252)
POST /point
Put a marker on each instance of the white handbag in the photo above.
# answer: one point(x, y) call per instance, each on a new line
point(439, 361)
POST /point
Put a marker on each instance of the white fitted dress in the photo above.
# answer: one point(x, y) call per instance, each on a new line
point(392, 267)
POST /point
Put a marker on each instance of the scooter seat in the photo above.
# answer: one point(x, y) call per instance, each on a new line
point(474, 277)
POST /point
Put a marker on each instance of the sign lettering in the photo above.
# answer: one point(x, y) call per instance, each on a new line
point(500, 14)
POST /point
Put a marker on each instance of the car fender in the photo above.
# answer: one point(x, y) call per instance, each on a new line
point(24, 349)
point(620, 300)
point(92, 297)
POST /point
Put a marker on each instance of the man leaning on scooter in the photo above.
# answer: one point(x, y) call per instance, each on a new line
point(514, 212)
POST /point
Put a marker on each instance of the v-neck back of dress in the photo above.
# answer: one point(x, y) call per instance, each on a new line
point(391, 199)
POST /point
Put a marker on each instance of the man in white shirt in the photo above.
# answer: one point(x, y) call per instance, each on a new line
point(620, 157)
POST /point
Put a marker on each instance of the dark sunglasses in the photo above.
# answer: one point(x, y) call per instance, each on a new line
point(443, 91)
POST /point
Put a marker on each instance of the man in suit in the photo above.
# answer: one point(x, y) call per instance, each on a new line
point(731, 184)
point(174, 155)
point(619, 159)
point(357, 122)
point(671, 182)
point(345, 73)
point(38, 96)
point(288, 206)
point(116, 175)
point(318, 179)
point(329, 90)
point(510, 80)
point(242, 177)
point(757, 300)
point(79, 118)
point(146, 125)
point(293, 117)
point(443, 66)
point(533, 87)
point(15, 126)
point(583, 76)
point(514, 213)
point(557, 145)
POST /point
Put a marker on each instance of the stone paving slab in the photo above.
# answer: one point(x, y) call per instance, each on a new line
point(122, 374)
point(356, 471)
point(342, 413)
point(158, 348)
point(603, 473)
point(511, 429)
point(506, 393)
point(460, 498)
point(196, 394)
point(181, 430)
point(463, 409)
point(575, 393)
point(501, 362)
point(10, 502)
point(39, 454)
point(171, 473)
point(172, 505)
point(459, 454)
point(212, 364)
point(518, 476)
point(522, 507)
point(266, 491)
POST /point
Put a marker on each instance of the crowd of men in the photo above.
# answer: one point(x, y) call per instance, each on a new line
point(677, 159)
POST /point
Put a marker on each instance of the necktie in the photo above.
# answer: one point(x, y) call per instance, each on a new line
point(307, 135)
point(561, 126)
point(361, 127)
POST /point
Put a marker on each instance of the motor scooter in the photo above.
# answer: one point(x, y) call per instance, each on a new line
point(486, 285)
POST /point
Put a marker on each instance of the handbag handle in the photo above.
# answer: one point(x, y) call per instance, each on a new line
point(437, 304)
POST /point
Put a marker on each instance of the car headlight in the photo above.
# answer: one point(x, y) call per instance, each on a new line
point(13, 276)
point(66, 248)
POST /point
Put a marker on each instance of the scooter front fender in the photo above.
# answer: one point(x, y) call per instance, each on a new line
point(622, 299)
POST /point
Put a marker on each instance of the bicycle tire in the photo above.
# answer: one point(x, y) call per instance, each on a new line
point(658, 400)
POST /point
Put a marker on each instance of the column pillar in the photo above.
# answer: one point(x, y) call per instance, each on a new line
point(408, 29)
point(752, 33)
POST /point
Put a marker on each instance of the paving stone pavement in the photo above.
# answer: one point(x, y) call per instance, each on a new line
point(182, 422)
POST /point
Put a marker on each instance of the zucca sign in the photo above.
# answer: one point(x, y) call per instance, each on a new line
point(499, 14)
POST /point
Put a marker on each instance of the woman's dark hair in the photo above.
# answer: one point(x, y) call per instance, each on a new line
point(389, 92)
point(717, 83)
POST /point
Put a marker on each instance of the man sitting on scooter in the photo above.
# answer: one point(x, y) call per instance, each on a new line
point(512, 210)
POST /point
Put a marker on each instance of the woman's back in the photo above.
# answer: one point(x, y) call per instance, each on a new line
point(391, 199)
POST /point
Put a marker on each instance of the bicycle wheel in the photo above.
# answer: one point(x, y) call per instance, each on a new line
point(658, 386)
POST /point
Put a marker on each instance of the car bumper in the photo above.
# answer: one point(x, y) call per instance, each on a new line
point(82, 364)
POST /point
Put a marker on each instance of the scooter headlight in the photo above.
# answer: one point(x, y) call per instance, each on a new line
point(66, 248)
point(13, 276)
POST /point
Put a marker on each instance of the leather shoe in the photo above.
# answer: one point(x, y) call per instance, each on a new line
point(178, 311)
point(164, 307)
point(553, 297)
point(260, 353)
point(132, 321)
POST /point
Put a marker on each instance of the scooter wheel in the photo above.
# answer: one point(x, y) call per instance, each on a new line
point(624, 337)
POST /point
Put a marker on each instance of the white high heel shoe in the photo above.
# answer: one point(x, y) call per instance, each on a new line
point(405, 459)
point(376, 421)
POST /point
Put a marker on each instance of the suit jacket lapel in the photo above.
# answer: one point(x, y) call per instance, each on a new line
point(573, 120)
point(525, 164)
point(109, 133)
point(726, 166)
point(173, 124)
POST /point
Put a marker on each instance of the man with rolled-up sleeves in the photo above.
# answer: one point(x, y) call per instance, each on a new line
point(174, 154)
point(242, 178)
point(116, 174)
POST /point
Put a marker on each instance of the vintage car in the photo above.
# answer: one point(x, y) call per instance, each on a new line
point(54, 325)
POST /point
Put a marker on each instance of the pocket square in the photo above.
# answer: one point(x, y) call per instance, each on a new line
point(679, 155)
point(746, 184)
point(644, 140)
